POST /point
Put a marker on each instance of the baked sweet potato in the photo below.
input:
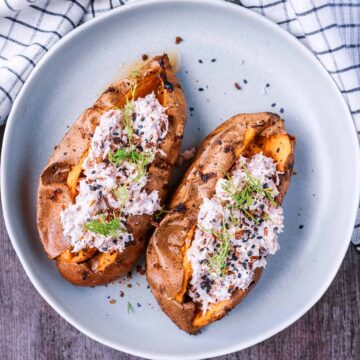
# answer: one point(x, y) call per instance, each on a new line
point(60, 179)
point(169, 269)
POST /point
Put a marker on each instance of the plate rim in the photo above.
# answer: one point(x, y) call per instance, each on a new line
point(52, 301)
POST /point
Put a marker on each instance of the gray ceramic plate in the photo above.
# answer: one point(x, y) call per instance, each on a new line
point(250, 50)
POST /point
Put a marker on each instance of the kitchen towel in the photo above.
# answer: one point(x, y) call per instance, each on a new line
point(331, 29)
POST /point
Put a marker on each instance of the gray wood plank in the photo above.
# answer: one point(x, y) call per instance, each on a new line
point(30, 329)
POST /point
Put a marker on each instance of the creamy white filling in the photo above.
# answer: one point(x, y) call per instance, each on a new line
point(99, 190)
point(250, 238)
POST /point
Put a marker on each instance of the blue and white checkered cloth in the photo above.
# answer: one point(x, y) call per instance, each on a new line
point(331, 29)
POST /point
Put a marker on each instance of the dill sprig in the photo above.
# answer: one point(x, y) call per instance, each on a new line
point(127, 112)
point(217, 261)
point(124, 154)
point(143, 160)
point(130, 308)
point(259, 188)
point(103, 227)
point(160, 214)
point(134, 74)
point(139, 159)
point(244, 198)
point(122, 194)
point(131, 154)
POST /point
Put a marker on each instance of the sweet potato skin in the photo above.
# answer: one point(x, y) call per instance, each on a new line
point(54, 194)
point(214, 158)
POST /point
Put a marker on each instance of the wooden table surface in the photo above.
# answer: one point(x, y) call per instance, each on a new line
point(31, 329)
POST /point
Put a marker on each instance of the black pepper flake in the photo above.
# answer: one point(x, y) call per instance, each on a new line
point(191, 109)
point(201, 89)
point(168, 86)
point(200, 61)
point(281, 110)
point(219, 142)
point(273, 104)
point(206, 177)
point(144, 57)
point(213, 60)
point(301, 226)
point(245, 81)
point(129, 243)
point(267, 85)
point(180, 208)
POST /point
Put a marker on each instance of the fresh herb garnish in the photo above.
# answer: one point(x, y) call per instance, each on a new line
point(244, 198)
point(124, 155)
point(141, 163)
point(131, 154)
point(160, 214)
point(122, 194)
point(217, 261)
point(134, 74)
point(103, 227)
point(139, 159)
point(259, 188)
point(128, 111)
point(130, 308)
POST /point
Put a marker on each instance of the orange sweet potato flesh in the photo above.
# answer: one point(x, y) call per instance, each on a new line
point(59, 180)
point(168, 271)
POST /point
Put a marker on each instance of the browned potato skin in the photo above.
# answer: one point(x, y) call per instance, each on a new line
point(214, 158)
point(54, 194)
